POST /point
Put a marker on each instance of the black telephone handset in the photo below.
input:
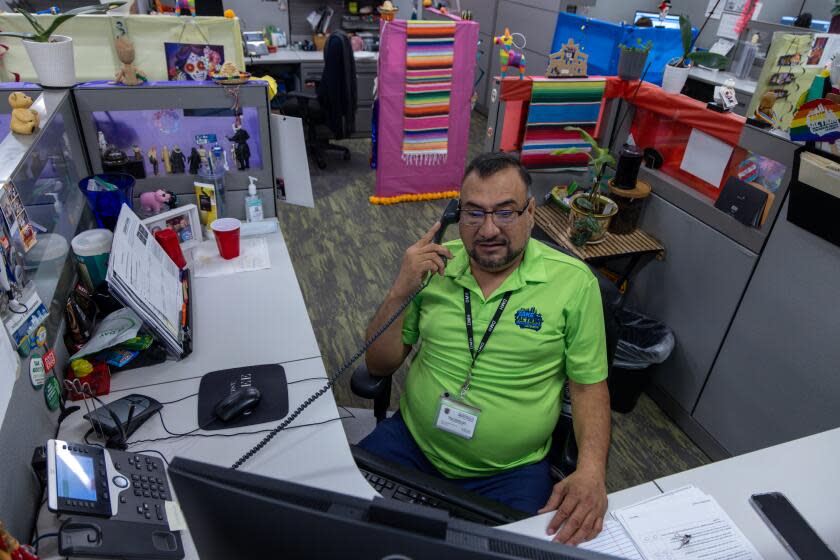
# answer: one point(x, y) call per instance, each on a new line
point(451, 215)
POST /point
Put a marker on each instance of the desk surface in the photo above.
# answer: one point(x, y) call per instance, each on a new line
point(294, 56)
point(805, 470)
point(717, 78)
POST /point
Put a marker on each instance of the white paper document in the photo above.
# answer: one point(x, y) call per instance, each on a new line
point(726, 28)
point(687, 528)
point(121, 325)
point(253, 255)
point(613, 539)
point(706, 157)
point(144, 278)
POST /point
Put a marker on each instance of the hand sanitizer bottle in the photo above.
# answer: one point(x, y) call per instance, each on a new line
point(253, 203)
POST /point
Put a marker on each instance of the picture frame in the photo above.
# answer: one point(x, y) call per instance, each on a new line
point(183, 220)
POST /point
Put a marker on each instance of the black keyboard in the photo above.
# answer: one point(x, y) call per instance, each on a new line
point(400, 483)
point(390, 489)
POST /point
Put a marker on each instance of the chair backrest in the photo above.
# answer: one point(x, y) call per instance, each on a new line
point(337, 92)
point(610, 300)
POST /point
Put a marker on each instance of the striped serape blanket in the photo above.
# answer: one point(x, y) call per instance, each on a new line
point(430, 51)
point(554, 105)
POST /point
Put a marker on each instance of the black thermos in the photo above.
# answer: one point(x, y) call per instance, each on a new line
point(627, 170)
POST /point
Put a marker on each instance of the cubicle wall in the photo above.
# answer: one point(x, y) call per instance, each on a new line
point(170, 113)
point(51, 161)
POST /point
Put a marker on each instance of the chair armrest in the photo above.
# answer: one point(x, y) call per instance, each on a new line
point(304, 96)
point(368, 386)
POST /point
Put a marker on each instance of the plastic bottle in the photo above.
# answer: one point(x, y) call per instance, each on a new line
point(253, 203)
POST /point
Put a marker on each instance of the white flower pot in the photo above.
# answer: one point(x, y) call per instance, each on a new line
point(674, 78)
point(53, 61)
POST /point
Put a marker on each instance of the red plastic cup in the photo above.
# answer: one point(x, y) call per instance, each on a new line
point(226, 231)
point(168, 239)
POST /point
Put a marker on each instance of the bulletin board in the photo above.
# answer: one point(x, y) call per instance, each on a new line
point(95, 61)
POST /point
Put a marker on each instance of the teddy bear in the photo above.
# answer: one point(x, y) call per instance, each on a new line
point(24, 120)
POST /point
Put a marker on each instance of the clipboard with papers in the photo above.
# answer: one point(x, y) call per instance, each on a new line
point(142, 277)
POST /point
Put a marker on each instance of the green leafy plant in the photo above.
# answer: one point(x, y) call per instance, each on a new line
point(599, 158)
point(42, 34)
point(704, 58)
point(638, 47)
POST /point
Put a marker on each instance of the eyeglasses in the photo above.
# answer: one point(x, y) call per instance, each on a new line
point(505, 217)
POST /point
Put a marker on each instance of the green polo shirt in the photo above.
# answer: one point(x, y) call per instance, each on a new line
point(552, 328)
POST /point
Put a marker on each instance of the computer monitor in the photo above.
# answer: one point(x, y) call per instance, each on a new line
point(670, 21)
point(235, 514)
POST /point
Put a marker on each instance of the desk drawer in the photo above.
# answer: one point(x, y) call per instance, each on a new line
point(363, 116)
point(364, 87)
point(311, 71)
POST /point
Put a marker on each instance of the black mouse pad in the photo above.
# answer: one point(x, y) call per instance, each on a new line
point(270, 379)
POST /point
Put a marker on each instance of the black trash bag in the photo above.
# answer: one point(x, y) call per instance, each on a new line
point(642, 341)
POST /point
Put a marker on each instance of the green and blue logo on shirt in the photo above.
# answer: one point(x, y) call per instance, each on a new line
point(529, 319)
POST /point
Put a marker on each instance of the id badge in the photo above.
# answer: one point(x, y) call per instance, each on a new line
point(457, 417)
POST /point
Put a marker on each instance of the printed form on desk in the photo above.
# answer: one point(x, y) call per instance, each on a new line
point(684, 524)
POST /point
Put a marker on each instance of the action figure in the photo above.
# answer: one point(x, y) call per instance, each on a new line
point(152, 153)
point(127, 75)
point(167, 163)
point(103, 145)
point(177, 160)
point(195, 161)
point(240, 146)
point(138, 155)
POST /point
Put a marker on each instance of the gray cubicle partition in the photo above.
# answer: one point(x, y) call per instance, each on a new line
point(778, 374)
point(45, 168)
point(189, 96)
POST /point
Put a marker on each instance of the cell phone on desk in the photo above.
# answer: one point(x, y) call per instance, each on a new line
point(797, 536)
point(451, 215)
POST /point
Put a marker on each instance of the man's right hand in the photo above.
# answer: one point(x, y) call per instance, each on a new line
point(422, 257)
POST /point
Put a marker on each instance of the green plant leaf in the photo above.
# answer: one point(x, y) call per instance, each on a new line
point(567, 151)
point(585, 135)
point(590, 224)
point(22, 35)
point(573, 188)
point(33, 21)
point(685, 34)
point(584, 204)
point(94, 9)
point(708, 59)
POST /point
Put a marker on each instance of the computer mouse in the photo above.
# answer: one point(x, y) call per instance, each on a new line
point(241, 402)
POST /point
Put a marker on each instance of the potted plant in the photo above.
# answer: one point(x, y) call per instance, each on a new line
point(632, 60)
point(676, 71)
point(591, 211)
point(52, 55)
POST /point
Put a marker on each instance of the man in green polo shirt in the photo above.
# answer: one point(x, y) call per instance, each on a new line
point(503, 323)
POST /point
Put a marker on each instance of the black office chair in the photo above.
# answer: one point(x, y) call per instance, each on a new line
point(563, 453)
point(332, 106)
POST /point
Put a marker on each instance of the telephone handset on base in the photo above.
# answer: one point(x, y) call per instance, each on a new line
point(451, 215)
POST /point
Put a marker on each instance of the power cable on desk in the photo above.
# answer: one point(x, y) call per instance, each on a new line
point(38, 540)
point(192, 433)
point(179, 400)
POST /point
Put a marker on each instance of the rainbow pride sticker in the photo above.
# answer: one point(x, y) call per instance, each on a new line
point(817, 120)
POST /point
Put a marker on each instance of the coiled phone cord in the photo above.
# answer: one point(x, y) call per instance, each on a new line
point(332, 380)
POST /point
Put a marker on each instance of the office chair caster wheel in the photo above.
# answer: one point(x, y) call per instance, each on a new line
point(320, 162)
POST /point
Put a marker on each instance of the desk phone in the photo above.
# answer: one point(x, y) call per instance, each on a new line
point(91, 480)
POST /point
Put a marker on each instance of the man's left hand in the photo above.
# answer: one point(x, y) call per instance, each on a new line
point(581, 502)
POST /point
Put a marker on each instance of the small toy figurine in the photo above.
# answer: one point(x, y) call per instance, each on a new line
point(127, 75)
point(568, 62)
point(240, 146)
point(194, 160)
point(103, 145)
point(138, 155)
point(764, 112)
point(167, 163)
point(664, 8)
point(184, 5)
point(24, 120)
point(177, 160)
point(153, 202)
point(153, 159)
point(508, 56)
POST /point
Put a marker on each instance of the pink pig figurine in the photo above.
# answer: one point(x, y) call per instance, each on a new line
point(152, 202)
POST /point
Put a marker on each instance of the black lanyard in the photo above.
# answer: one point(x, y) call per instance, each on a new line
point(474, 353)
